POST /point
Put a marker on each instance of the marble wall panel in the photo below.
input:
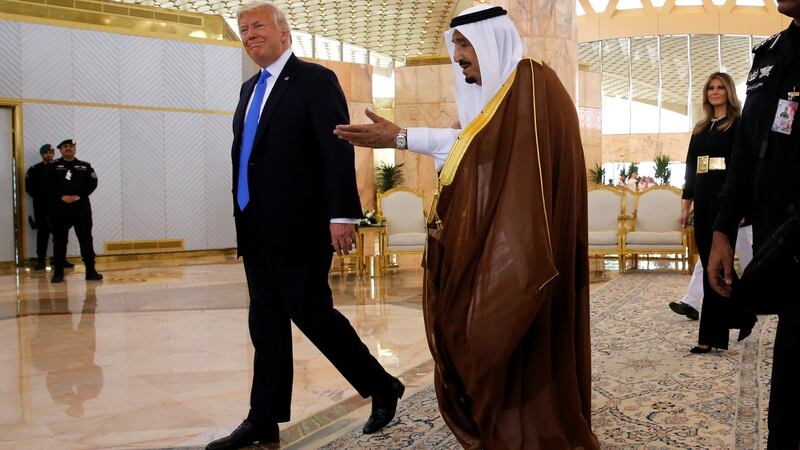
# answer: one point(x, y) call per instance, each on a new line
point(46, 62)
point(96, 62)
point(97, 130)
point(590, 84)
point(590, 120)
point(11, 55)
point(548, 30)
point(365, 165)
point(143, 186)
point(642, 147)
point(355, 79)
point(184, 179)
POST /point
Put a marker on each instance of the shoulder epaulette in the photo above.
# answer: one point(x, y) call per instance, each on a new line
point(768, 43)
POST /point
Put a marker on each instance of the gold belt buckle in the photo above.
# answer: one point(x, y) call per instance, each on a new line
point(702, 164)
point(716, 163)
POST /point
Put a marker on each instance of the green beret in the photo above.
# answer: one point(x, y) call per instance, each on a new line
point(46, 148)
point(65, 142)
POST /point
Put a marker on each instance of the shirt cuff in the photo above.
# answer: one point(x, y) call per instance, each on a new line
point(345, 220)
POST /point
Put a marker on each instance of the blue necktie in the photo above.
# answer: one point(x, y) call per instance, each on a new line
point(249, 135)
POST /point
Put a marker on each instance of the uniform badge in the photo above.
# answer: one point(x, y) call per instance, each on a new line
point(764, 71)
point(68, 176)
point(753, 75)
point(784, 116)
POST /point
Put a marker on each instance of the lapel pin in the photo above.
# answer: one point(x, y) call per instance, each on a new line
point(285, 78)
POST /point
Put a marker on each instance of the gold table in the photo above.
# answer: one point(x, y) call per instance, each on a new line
point(371, 250)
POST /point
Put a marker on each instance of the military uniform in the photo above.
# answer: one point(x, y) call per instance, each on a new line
point(34, 186)
point(74, 177)
point(762, 183)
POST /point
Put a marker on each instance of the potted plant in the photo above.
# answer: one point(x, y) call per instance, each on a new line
point(597, 174)
point(387, 176)
point(663, 172)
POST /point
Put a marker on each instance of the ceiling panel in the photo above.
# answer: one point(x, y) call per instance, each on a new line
point(397, 28)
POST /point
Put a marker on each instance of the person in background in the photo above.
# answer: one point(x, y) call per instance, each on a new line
point(68, 184)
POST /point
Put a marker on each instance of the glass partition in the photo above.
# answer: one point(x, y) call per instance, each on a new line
point(616, 86)
point(645, 80)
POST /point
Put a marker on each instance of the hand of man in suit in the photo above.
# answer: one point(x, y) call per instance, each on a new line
point(343, 235)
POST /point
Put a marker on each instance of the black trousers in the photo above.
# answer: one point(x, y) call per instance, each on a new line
point(718, 315)
point(784, 396)
point(293, 287)
point(82, 221)
point(42, 231)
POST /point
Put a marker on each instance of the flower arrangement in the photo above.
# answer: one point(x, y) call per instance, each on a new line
point(370, 218)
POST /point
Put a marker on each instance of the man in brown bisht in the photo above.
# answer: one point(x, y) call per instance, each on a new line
point(506, 282)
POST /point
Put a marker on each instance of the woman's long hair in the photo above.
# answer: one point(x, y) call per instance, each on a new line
point(734, 109)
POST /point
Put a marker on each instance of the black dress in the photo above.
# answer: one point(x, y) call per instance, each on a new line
point(718, 315)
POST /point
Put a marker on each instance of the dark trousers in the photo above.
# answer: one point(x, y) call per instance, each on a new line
point(784, 396)
point(293, 287)
point(718, 315)
point(83, 230)
point(42, 231)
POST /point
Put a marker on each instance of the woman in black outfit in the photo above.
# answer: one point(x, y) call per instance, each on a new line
point(709, 155)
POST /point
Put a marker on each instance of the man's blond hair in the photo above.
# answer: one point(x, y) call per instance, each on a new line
point(277, 13)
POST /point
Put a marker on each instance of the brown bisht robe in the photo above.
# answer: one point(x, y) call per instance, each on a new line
point(506, 281)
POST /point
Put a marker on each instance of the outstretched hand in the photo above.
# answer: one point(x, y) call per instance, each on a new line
point(378, 134)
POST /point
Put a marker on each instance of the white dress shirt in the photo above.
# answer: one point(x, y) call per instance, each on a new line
point(435, 142)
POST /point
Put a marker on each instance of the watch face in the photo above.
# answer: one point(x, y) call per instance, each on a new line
point(400, 141)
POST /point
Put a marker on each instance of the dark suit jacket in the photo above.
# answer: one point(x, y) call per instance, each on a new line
point(300, 174)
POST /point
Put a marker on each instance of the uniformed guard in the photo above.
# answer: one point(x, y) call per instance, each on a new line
point(763, 180)
point(34, 186)
point(69, 182)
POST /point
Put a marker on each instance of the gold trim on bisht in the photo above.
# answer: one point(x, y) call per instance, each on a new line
point(468, 134)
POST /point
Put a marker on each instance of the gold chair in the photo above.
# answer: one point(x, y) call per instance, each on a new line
point(654, 228)
point(403, 212)
point(606, 207)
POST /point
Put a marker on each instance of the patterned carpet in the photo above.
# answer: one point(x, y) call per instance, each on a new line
point(649, 392)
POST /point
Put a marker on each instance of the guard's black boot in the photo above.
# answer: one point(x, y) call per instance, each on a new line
point(91, 273)
point(58, 275)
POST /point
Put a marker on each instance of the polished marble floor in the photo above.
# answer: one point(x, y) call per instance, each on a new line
point(158, 354)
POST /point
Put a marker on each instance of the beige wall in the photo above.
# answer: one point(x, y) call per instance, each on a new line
point(590, 116)
point(642, 147)
point(356, 81)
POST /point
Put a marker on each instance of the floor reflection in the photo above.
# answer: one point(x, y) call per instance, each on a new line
point(71, 380)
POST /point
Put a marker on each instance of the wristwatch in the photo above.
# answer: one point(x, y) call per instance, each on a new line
point(401, 141)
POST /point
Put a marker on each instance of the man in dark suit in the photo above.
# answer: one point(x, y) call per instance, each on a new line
point(286, 158)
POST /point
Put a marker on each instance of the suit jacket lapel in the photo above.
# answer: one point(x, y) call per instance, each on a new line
point(241, 108)
point(282, 82)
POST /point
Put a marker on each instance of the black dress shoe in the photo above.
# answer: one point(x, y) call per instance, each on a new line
point(384, 406)
point(700, 350)
point(68, 265)
point(684, 310)
point(58, 276)
point(94, 276)
point(246, 434)
point(40, 266)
